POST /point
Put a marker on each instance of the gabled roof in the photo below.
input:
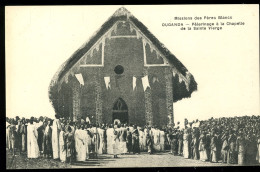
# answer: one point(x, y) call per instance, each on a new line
point(123, 14)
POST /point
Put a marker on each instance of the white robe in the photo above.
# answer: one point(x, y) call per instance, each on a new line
point(141, 140)
point(94, 140)
point(101, 140)
point(32, 145)
point(156, 140)
point(122, 142)
point(89, 140)
point(162, 140)
point(55, 138)
point(185, 146)
point(7, 136)
point(115, 142)
point(62, 146)
point(110, 136)
point(81, 145)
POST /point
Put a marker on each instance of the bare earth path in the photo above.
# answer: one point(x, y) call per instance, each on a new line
point(106, 161)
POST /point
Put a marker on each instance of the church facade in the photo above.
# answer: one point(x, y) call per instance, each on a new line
point(122, 73)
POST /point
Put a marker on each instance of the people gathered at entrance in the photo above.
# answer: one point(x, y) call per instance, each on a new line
point(233, 140)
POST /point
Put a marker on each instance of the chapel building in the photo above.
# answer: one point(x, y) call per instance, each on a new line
point(123, 73)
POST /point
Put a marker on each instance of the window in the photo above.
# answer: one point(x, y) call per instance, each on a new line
point(119, 69)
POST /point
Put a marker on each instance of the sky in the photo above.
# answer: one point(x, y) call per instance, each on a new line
point(224, 63)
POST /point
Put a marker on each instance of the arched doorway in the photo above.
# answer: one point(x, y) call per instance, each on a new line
point(120, 111)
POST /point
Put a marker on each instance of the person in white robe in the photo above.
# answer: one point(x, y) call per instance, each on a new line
point(115, 144)
point(94, 139)
point(101, 140)
point(80, 139)
point(87, 139)
point(110, 136)
point(55, 137)
point(162, 140)
point(141, 139)
point(7, 125)
point(156, 139)
point(122, 139)
point(145, 139)
point(32, 145)
point(62, 145)
point(186, 144)
point(77, 141)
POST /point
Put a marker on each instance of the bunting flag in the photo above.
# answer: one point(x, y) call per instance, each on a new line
point(155, 79)
point(87, 120)
point(145, 82)
point(134, 82)
point(107, 82)
point(80, 78)
point(180, 79)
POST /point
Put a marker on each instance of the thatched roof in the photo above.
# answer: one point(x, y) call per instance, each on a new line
point(123, 14)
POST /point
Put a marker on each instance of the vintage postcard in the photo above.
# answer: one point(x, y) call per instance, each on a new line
point(132, 86)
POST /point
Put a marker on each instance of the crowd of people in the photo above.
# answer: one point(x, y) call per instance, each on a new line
point(233, 140)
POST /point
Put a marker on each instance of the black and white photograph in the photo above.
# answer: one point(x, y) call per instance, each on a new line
point(117, 86)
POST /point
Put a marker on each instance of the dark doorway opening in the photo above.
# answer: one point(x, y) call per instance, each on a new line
point(120, 111)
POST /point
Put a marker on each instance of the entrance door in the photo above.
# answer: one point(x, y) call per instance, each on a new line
point(120, 111)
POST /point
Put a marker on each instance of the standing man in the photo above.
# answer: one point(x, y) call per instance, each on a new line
point(129, 140)
point(23, 135)
point(135, 140)
point(47, 143)
point(122, 139)
point(13, 136)
point(55, 137)
point(32, 145)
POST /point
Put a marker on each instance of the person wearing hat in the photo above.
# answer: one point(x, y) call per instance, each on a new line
point(56, 127)
point(115, 141)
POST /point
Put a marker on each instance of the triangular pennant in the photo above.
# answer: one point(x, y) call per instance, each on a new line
point(151, 48)
point(155, 79)
point(180, 79)
point(107, 82)
point(134, 82)
point(80, 78)
point(145, 82)
point(115, 28)
point(131, 28)
point(138, 34)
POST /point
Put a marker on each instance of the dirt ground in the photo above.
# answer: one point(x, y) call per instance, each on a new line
point(105, 161)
